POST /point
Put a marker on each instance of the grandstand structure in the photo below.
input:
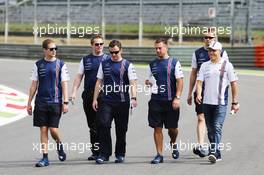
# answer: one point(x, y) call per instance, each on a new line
point(242, 15)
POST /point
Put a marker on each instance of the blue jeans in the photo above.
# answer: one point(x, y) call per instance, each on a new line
point(214, 119)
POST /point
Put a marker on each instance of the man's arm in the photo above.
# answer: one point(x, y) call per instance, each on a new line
point(179, 88)
point(97, 89)
point(133, 85)
point(64, 85)
point(199, 84)
point(76, 85)
point(193, 77)
point(32, 91)
point(234, 91)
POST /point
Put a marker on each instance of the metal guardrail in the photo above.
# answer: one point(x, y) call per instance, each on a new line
point(239, 56)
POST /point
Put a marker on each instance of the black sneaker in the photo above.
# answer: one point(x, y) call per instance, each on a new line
point(42, 163)
point(120, 159)
point(195, 151)
point(175, 153)
point(92, 157)
point(61, 153)
point(213, 158)
point(101, 159)
point(200, 151)
point(157, 159)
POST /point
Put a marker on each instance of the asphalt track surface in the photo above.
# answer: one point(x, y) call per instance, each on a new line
point(243, 132)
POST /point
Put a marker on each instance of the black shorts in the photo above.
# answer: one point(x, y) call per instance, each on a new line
point(47, 115)
point(198, 107)
point(161, 113)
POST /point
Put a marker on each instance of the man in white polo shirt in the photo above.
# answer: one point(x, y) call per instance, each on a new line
point(216, 74)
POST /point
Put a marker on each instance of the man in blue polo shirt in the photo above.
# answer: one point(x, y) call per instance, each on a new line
point(216, 75)
point(166, 76)
point(49, 79)
point(200, 56)
point(88, 69)
point(115, 78)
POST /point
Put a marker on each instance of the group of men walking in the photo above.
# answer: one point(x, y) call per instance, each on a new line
point(110, 90)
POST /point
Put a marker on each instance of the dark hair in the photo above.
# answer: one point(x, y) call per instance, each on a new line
point(96, 37)
point(114, 43)
point(161, 40)
point(46, 42)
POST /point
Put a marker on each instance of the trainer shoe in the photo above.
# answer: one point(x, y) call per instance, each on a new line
point(92, 157)
point(42, 163)
point(101, 159)
point(199, 150)
point(120, 159)
point(61, 153)
point(175, 153)
point(213, 158)
point(157, 159)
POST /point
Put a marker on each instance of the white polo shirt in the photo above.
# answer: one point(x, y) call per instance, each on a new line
point(210, 74)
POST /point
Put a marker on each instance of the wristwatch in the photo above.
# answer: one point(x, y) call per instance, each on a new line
point(177, 97)
point(235, 103)
point(65, 102)
point(133, 98)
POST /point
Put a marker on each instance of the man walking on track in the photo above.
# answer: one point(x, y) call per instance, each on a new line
point(88, 69)
point(49, 79)
point(115, 78)
point(216, 75)
point(164, 106)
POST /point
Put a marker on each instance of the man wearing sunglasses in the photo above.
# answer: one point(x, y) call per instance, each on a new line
point(115, 78)
point(216, 75)
point(164, 106)
point(88, 69)
point(199, 57)
point(49, 79)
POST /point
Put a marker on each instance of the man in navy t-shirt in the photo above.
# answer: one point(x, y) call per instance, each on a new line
point(88, 69)
point(115, 78)
point(166, 78)
point(49, 80)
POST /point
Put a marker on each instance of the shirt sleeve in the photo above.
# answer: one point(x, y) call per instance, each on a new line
point(225, 56)
point(65, 73)
point(200, 75)
point(132, 72)
point(34, 74)
point(178, 70)
point(232, 76)
point(100, 74)
point(194, 61)
point(81, 68)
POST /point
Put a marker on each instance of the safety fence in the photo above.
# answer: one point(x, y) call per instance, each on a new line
point(247, 57)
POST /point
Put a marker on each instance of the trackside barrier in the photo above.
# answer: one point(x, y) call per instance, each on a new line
point(247, 57)
point(259, 56)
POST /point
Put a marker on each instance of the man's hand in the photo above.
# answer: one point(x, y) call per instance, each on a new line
point(133, 103)
point(189, 99)
point(65, 108)
point(29, 109)
point(175, 103)
point(95, 105)
point(235, 108)
point(199, 99)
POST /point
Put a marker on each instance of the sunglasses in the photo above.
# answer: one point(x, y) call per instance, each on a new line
point(52, 49)
point(114, 52)
point(208, 37)
point(98, 44)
